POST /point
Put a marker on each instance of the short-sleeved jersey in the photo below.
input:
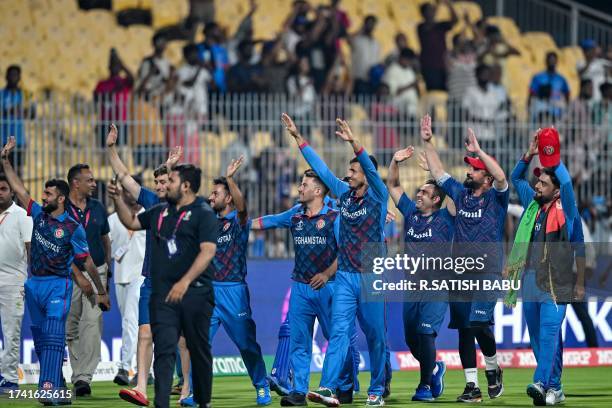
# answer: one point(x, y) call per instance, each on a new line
point(147, 199)
point(56, 243)
point(229, 263)
point(94, 220)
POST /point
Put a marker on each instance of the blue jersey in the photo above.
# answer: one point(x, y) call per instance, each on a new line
point(56, 243)
point(147, 199)
point(437, 227)
point(315, 239)
point(229, 263)
point(362, 219)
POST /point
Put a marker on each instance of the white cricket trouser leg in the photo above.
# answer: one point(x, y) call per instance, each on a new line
point(128, 295)
point(11, 314)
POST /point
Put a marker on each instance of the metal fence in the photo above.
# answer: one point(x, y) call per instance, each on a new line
point(54, 132)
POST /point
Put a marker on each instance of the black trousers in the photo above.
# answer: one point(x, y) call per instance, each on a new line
point(190, 318)
point(582, 312)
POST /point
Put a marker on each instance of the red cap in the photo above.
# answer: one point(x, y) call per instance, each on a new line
point(475, 162)
point(549, 147)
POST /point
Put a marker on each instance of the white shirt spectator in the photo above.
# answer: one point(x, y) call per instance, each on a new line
point(160, 68)
point(305, 94)
point(190, 100)
point(365, 53)
point(128, 248)
point(397, 77)
point(484, 106)
point(597, 72)
point(15, 232)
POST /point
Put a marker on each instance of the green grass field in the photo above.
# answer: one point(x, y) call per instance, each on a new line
point(584, 387)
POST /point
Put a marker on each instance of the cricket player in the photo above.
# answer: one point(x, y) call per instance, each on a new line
point(57, 242)
point(147, 199)
point(425, 223)
point(315, 228)
point(233, 309)
point(548, 241)
point(363, 208)
point(481, 202)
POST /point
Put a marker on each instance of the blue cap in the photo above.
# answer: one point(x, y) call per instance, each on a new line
point(588, 44)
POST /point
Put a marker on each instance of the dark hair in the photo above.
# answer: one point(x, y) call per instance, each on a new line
point(603, 88)
point(190, 174)
point(480, 68)
point(3, 178)
point(584, 82)
point(221, 181)
point(209, 27)
point(407, 53)
point(76, 170)
point(437, 191)
point(13, 67)
point(553, 177)
point(60, 185)
point(310, 173)
point(160, 171)
point(425, 6)
point(552, 53)
point(158, 36)
point(370, 17)
point(374, 162)
point(189, 48)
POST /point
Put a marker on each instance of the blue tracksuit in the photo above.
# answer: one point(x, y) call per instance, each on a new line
point(232, 301)
point(542, 314)
point(56, 244)
point(315, 242)
point(362, 221)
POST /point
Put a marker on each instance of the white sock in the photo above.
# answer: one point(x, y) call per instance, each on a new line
point(471, 375)
point(491, 362)
point(435, 370)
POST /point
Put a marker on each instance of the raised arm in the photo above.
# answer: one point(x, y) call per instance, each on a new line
point(374, 180)
point(280, 220)
point(433, 160)
point(237, 196)
point(500, 183)
point(568, 200)
point(11, 176)
point(337, 186)
point(120, 169)
point(127, 218)
point(518, 176)
point(393, 181)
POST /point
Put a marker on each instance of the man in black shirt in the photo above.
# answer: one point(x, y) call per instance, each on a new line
point(184, 231)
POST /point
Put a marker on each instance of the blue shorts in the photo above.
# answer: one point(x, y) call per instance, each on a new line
point(424, 317)
point(471, 314)
point(143, 302)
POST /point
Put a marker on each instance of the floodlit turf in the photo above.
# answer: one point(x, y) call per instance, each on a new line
point(584, 388)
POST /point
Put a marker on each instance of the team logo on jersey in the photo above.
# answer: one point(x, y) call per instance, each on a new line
point(226, 226)
point(299, 226)
point(187, 216)
point(165, 214)
point(59, 233)
point(548, 150)
point(320, 224)
point(347, 202)
point(415, 218)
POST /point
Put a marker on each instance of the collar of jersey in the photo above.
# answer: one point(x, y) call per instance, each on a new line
point(231, 215)
point(324, 210)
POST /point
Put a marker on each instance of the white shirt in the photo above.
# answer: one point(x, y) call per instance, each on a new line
point(15, 232)
point(128, 248)
point(365, 53)
point(156, 83)
point(397, 77)
point(484, 105)
point(190, 100)
point(597, 72)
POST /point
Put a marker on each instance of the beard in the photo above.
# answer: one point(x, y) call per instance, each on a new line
point(50, 207)
point(471, 184)
point(540, 199)
point(173, 200)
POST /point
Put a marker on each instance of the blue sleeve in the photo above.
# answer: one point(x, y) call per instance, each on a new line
point(147, 198)
point(535, 84)
point(406, 206)
point(280, 220)
point(79, 243)
point(453, 189)
point(374, 180)
point(337, 186)
point(520, 183)
point(577, 238)
point(337, 228)
point(564, 86)
point(568, 201)
point(34, 209)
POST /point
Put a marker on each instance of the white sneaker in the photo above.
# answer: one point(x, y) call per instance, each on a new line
point(554, 396)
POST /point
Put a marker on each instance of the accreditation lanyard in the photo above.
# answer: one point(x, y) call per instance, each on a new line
point(171, 242)
point(76, 215)
point(4, 218)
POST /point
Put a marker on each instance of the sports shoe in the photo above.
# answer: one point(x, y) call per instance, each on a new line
point(263, 396)
point(537, 393)
point(81, 389)
point(122, 377)
point(437, 380)
point(150, 381)
point(187, 401)
point(375, 401)
point(495, 381)
point(345, 397)
point(387, 390)
point(7, 386)
point(554, 396)
point(471, 393)
point(294, 399)
point(423, 393)
point(276, 386)
point(323, 396)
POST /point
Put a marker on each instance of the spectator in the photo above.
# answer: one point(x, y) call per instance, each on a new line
point(461, 65)
point(402, 79)
point(244, 77)
point(384, 115)
point(482, 107)
point(496, 49)
point(244, 32)
point(548, 92)
point(214, 54)
point(432, 37)
point(597, 69)
point(341, 16)
point(187, 104)
point(295, 26)
point(112, 96)
point(499, 88)
point(155, 71)
point(579, 132)
point(13, 112)
point(302, 93)
point(365, 55)
point(401, 42)
point(339, 82)
point(602, 114)
point(276, 62)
